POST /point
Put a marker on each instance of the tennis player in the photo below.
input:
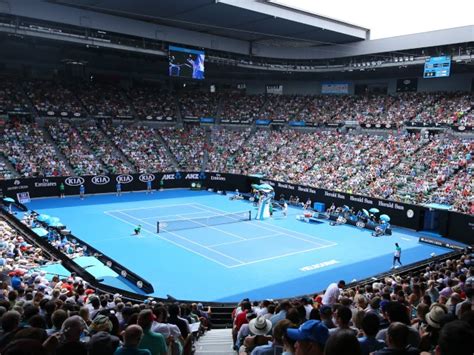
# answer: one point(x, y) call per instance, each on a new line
point(148, 187)
point(138, 229)
point(285, 209)
point(119, 189)
point(397, 255)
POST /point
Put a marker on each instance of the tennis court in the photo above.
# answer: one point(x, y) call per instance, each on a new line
point(224, 243)
point(276, 258)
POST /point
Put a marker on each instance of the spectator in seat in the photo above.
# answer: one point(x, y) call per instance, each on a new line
point(456, 338)
point(326, 317)
point(283, 310)
point(342, 342)
point(131, 338)
point(397, 341)
point(174, 318)
point(155, 342)
point(370, 327)
point(343, 319)
point(70, 343)
point(259, 329)
point(10, 326)
point(101, 341)
point(274, 347)
point(310, 338)
point(397, 312)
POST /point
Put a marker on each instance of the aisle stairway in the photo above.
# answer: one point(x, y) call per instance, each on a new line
point(215, 342)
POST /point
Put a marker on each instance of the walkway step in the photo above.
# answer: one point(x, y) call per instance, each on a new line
point(216, 341)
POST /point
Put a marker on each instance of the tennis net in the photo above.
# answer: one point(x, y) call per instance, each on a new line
point(202, 222)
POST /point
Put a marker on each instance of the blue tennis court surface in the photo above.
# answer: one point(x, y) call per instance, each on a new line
point(278, 257)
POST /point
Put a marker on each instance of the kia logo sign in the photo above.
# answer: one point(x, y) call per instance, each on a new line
point(146, 177)
point(100, 180)
point(124, 179)
point(74, 181)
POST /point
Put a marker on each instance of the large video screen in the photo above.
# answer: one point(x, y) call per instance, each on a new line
point(437, 67)
point(186, 63)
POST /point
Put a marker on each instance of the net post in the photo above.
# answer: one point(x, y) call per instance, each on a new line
point(158, 227)
point(250, 215)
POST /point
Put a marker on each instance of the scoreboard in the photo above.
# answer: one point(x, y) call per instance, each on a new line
point(437, 67)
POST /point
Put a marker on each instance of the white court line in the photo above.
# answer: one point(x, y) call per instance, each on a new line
point(172, 215)
point(241, 241)
point(138, 219)
point(410, 240)
point(281, 256)
point(287, 231)
point(177, 244)
point(211, 227)
point(193, 242)
point(148, 208)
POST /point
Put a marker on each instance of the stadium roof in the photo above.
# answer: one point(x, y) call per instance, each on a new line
point(259, 28)
point(265, 22)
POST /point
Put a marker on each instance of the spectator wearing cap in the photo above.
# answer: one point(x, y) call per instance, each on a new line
point(131, 338)
point(397, 341)
point(274, 347)
point(70, 343)
point(370, 327)
point(244, 330)
point(434, 319)
point(310, 337)
point(260, 329)
point(101, 341)
point(331, 295)
point(155, 342)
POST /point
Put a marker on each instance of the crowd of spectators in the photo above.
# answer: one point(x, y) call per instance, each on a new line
point(426, 312)
point(102, 149)
point(78, 154)
point(457, 190)
point(53, 99)
point(199, 104)
point(225, 144)
point(402, 167)
point(242, 107)
point(12, 99)
point(5, 172)
point(427, 169)
point(42, 313)
point(30, 153)
point(283, 107)
point(151, 103)
point(103, 100)
point(142, 147)
point(188, 145)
